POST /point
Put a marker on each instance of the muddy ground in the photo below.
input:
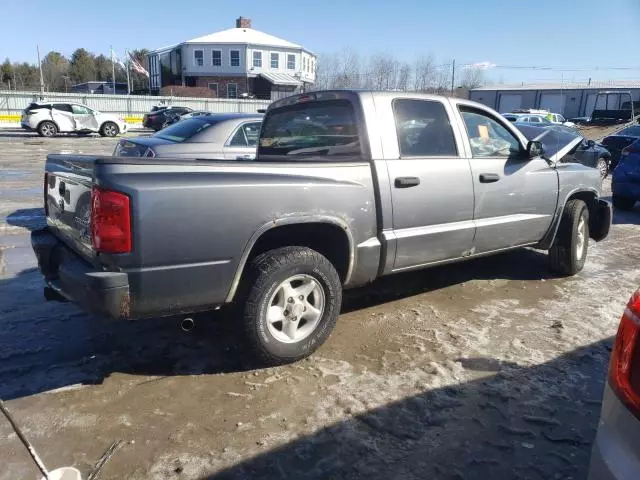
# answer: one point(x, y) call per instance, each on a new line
point(489, 369)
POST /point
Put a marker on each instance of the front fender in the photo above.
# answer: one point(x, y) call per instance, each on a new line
point(583, 194)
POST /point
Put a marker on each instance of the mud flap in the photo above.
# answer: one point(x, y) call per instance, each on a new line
point(600, 220)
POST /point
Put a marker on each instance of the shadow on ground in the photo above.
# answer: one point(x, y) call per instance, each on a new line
point(48, 345)
point(29, 218)
point(519, 423)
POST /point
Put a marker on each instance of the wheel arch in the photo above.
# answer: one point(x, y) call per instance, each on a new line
point(329, 236)
point(50, 120)
point(104, 122)
point(588, 195)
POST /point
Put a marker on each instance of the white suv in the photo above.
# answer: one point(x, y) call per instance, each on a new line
point(50, 118)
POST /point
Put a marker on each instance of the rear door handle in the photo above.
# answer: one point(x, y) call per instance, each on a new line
point(489, 177)
point(406, 182)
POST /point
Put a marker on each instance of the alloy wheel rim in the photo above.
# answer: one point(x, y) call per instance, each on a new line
point(295, 308)
point(580, 244)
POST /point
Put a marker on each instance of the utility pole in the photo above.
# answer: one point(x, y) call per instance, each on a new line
point(453, 75)
point(113, 70)
point(41, 78)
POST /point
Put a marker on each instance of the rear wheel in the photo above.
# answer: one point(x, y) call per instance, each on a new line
point(47, 129)
point(292, 302)
point(603, 167)
point(109, 129)
point(569, 250)
point(622, 203)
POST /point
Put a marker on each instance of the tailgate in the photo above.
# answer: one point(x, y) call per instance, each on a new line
point(68, 200)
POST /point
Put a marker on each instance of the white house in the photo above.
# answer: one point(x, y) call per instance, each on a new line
point(234, 63)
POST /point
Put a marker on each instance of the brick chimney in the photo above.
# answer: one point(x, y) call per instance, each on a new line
point(243, 22)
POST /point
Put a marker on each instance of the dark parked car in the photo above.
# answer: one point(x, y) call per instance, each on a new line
point(214, 136)
point(617, 142)
point(588, 152)
point(177, 117)
point(625, 183)
point(157, 120)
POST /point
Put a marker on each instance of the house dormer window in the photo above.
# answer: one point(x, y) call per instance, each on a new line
point(216, 58)
point(257, 59)
point(235, 58)
point(199, 57)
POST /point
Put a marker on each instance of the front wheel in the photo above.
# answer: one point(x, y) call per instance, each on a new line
point(603, 167)
point(109, 129)
point(292, 303)
point(569, 250)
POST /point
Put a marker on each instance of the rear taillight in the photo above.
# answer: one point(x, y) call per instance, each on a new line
point(110, 221)
point(45, 190)
point(624, 368)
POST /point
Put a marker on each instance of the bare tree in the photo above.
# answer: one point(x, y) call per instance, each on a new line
point(384, 70)
point(472, 77)
point(424, 73)
point(404, 74)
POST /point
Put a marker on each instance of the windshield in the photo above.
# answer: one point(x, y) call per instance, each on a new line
point(553, 138)
point(181, 131)
point(313, 129)
point(631, 131)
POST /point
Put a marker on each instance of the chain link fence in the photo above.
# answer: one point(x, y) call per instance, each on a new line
point(130, 107)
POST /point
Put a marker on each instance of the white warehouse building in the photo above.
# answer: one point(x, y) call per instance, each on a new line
point(234, 63)
point(570, 99)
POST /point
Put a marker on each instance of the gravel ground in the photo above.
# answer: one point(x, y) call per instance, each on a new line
point(487, 369)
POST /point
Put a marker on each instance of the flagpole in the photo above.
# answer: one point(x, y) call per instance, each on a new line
point(113, 71)
point(127, 56)
point(41, 78)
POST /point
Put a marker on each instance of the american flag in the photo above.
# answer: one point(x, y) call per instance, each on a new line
point(135, 65)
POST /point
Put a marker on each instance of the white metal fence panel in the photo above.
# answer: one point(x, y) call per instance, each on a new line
point(129, 106)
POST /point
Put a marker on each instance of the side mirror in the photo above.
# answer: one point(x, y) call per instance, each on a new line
point(534, 149)
point(591, 143)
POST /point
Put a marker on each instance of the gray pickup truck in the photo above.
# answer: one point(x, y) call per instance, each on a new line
point(347, 186)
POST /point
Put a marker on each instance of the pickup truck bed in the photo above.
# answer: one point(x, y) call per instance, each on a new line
point(346, 187)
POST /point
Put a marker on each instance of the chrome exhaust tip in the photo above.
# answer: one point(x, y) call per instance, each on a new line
point(187, 324)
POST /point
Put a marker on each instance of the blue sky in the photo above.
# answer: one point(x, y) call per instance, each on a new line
point(591, 36)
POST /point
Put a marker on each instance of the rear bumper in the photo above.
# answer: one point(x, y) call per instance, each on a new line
point(626, 188)
point(105, 294)
point(615, 450)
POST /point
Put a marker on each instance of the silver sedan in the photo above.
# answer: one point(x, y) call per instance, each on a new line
point(228, 136)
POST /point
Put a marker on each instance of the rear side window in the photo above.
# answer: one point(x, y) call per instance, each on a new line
point(423, 128)
point(311, 131)
point(62, 107)
point(246, 135)
point(181, 131)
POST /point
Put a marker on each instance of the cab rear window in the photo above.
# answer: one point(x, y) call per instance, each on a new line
point(311, 131)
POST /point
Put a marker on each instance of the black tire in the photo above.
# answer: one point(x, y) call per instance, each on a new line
point(603, 167)
point(622, 203)
point(565, 255)
point(266, 274)
point(109, 129)
point(47, 129)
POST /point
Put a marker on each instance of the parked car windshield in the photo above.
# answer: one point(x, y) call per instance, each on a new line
point(313, 129)
point(181, 131)
point(631, 131)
